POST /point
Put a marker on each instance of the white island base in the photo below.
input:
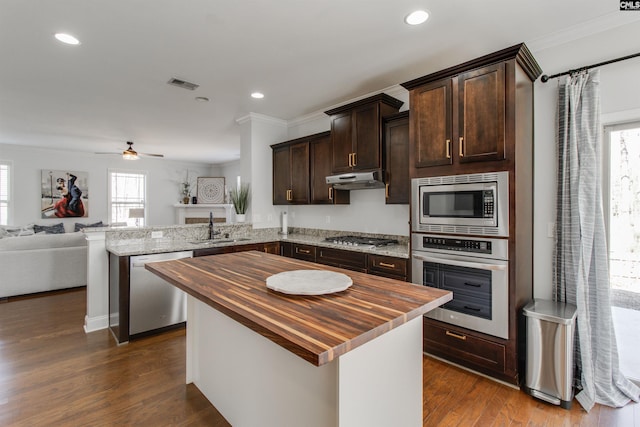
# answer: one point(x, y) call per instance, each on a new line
point(254, 382)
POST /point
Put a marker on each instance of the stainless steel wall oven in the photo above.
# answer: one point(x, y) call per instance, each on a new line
point(476, 270)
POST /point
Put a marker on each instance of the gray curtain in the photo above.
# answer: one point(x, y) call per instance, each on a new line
point(581, 270)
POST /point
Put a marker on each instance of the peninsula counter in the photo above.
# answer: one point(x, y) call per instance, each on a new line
point(264, 358)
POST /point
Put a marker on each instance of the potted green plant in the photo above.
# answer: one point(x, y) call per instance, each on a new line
point(240, 199)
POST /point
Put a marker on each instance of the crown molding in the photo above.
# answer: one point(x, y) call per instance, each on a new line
point(255, 117)
point(311, 117)
point(585, 29)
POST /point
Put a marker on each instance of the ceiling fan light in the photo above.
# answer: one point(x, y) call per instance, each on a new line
point(130, 153)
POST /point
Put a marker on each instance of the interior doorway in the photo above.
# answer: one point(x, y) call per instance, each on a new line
point(624, 240)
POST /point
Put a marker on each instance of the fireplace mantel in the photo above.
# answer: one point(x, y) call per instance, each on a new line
point(220, 211)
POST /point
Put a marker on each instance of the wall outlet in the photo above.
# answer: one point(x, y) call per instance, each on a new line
point(257, 218)
point(269, 217)
point(156, 234)
point(551, 230)
point(328, 219)
point(292, 214)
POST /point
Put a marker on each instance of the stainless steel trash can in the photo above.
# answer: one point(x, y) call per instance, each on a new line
point(549, 356)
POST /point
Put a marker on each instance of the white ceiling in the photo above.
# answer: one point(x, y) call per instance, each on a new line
point(304, 56)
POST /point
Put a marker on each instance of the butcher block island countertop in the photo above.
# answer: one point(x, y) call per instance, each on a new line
point(318, 328)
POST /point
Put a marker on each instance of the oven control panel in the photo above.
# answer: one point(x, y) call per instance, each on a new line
point(462, 245)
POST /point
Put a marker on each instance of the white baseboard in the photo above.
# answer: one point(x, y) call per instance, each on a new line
point(92, 324)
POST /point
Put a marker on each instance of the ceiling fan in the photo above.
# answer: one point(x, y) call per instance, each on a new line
point(131, 154)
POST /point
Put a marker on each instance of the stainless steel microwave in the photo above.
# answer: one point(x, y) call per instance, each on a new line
point(475, 204)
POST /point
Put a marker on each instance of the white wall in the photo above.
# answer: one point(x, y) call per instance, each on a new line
point(620, 100)
point(163, 178)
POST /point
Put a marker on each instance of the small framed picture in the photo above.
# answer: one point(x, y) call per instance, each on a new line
point(210, 190)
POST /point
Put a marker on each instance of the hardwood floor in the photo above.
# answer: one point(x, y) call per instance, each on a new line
point(53, 374)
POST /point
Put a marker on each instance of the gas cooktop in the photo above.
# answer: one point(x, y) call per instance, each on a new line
point(360, 241)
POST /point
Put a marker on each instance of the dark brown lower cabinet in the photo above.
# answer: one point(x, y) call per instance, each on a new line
point(269, 247)
point(303, 252)
point(479, 352)
point(272, 248)
point(386, 266)
point(356, 261)
point(378, 265)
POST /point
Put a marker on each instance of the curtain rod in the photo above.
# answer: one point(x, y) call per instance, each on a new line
point(546, 78)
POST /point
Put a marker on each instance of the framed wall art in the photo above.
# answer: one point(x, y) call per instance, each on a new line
point(64, 194)
point(210, 190)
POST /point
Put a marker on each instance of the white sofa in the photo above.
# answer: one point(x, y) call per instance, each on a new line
point(42, 262)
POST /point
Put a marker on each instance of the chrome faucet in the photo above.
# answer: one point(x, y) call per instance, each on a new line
point(212, 232)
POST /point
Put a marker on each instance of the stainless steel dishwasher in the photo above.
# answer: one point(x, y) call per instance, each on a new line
point(154, 303)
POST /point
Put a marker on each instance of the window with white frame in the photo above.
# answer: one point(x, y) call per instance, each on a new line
point(5, 187)
point(127, 197)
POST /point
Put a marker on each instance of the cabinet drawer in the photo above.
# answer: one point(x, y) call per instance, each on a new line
point(340, 258)
point(459, 346)
point(387, 266)
point(305, 252)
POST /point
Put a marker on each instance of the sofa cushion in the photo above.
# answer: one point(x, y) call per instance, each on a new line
point(80, 226)
point(43, 241)
point(49, 229)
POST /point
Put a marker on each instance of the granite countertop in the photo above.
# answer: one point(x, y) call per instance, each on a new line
point(128, 247)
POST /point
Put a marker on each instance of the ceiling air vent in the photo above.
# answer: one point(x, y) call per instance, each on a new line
point(183, 84)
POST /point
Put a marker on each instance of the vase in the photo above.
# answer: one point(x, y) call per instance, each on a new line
point(185, 200)
point(240, 217)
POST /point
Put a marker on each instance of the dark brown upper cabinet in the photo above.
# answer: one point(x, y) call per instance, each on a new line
point(356, 133)
point(396, 158)
point(291, 173)
point(320, 158)
point(300, 168)
point(469, 118)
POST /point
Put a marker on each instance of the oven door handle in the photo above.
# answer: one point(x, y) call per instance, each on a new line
point(469, 264)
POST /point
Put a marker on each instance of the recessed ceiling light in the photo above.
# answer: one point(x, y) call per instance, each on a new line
point(202, 99)
point(67, 38)
point(417, 17)
point(257, 95)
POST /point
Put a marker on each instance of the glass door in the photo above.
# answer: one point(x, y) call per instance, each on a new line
point(624, 240)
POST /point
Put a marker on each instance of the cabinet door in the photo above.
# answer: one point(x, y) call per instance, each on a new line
point(320, 159)
point(299, 167)
point(281, 175)
point(272, 248)
point(366, 142)
point(431, 126)
point(481, 114)
point(396, 145)
point(286, 249)
point(342, 142)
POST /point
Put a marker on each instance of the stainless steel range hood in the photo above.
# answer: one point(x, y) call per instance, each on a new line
point(356, 180)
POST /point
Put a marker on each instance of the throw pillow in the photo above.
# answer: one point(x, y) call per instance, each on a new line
point(16, 230)
point(50, 229)
point(80, 226)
